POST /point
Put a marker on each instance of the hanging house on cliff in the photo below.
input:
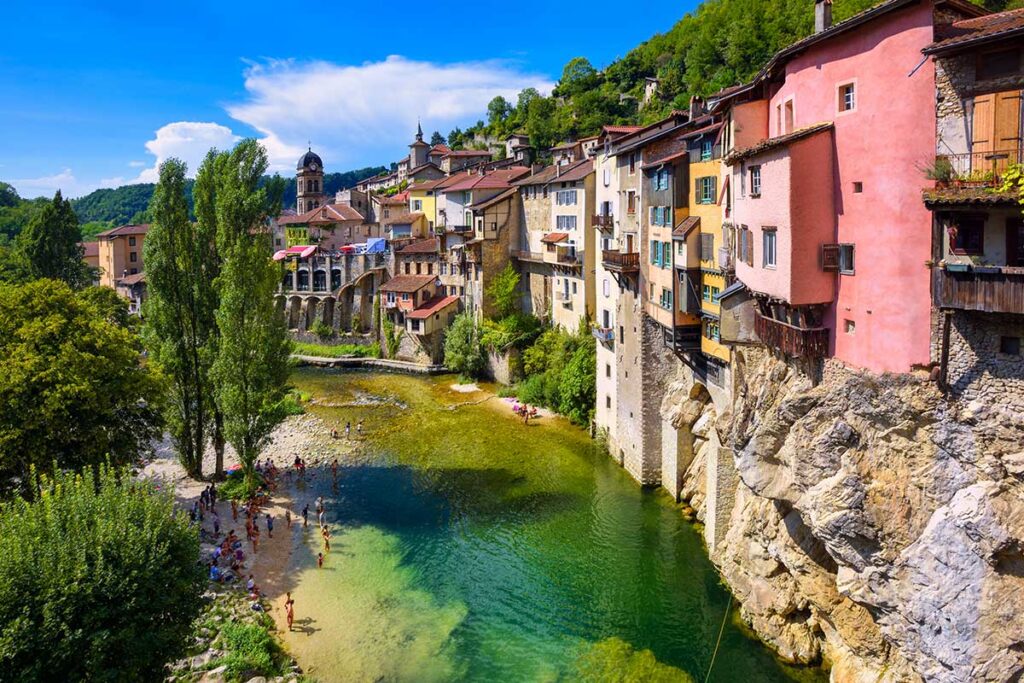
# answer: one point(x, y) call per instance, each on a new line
point(978, 230)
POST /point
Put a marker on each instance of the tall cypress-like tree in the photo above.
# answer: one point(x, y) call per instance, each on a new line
point(251, 367)
point(181, 264)
point(49, 245)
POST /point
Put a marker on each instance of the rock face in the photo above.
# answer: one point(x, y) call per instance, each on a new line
point(877, 525)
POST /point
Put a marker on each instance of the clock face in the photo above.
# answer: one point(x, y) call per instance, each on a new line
point(312, 166)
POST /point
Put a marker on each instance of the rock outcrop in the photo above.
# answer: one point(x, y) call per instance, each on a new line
point(878, 525)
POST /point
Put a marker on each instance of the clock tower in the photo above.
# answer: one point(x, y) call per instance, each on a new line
point(309, 182)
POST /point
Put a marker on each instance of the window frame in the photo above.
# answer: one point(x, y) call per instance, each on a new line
point(767, 232)
point(755, 181)
point(971, 250)
point(842, 94)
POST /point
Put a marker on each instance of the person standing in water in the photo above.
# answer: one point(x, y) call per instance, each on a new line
point(359, 428)
point(305, 516)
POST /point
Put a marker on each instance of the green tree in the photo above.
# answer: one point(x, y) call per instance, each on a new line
point(73, 387)
point(526, 95)
point(8, 195)
point(463, 350)
point(180, 327)
point(504, 292)
point(498, 110)
point(540, 123)
point(99, 580)
point(578, 76)
point(251, 367)
point(437, 139)
point(50, 246)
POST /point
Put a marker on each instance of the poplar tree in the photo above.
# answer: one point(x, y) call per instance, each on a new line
point(180, 328)
point(251, 367)
point(50, 245)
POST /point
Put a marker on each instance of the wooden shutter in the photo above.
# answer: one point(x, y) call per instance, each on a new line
point(696, 190)
point(707, 245)
point(1006, 125)
point(750, 247)
point(830, 258)
point(982, 137)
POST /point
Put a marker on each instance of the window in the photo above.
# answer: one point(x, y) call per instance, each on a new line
point(745, 245)
point(706, 189)
point(666, 254)
point(847, 97)
point(565, 222)
point(417, 205)
point(666, 299)
point(405, 296)
point(607, 288)
point(656, 252)
point(430, 269)
point(712, 330)
point(606, 319)
point(846, 259)
point(632, 163)
point(131, 241)
point(755, 181)
point(768, 247)
point(407, 268)
point(998, 64)
point(565, 197)
point(608, 402)
point(133, 257)
point(660, 215)
point(706, 293)
point(444, 268)
point(1009, 345)
point(789, 117)
point(849, 326)
point(707, 247)
point(544, 192)
point(710, 293)
point(706, 150)
point(573, 286)
point(858, 187)
point(631, 202)
point(661, 179)
point(606, 177)
point(967, 235)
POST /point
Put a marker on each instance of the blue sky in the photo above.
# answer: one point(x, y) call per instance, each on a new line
point(97, 94)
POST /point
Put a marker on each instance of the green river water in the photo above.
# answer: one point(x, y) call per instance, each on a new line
point(469, 546)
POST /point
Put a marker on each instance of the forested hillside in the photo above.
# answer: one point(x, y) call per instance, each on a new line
point(721, 43)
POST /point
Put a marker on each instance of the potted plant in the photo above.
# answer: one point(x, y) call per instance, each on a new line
point(976, 178)
point(941, 171)
point(979, 265)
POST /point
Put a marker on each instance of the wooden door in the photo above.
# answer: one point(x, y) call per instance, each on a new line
point(1015, 242)
point(996, 131)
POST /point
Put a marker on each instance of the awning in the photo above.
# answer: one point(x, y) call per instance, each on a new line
point(298, 251)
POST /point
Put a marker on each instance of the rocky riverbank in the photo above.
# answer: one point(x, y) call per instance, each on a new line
point(876, 525)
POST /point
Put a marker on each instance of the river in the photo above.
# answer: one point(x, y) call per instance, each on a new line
point(469, 546)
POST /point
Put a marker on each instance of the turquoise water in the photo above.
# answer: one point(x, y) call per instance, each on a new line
point(469, 546)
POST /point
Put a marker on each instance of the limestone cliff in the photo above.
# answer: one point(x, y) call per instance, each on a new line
point(877, 524)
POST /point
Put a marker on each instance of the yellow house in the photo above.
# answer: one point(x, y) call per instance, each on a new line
point(706, 202)
point(423, 199)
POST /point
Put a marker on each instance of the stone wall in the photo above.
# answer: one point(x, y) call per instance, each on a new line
point(977, 370)
point(504, 368)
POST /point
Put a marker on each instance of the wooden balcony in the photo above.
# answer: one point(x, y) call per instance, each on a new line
point(459, 229)
point(568, 257)
point(619, 262)
point(535, 256)
point(992, 290)
point(683, 338)
point(793, 341)
point(604, 221)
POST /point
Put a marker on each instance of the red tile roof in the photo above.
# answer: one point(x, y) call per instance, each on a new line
point(499, 179)
point(686, 226)
point(323, 215)
point(500, 197)
point(772, 143)
point(554, 237)
point(468, 153)
point(407, 283)
point(575, 172)
point(976, 30)
point(427, 246)
point(439, 150)
point(429, 164)
point(621, 129)
point(403, 218)
point(132, 279)
point(90, 248)
point(123, 230)
point(429, 308)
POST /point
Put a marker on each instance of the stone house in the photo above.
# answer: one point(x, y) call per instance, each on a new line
point(119, 253)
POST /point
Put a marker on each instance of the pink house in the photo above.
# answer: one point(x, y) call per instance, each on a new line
point(858, 96)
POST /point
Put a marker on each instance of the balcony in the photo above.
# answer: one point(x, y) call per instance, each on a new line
point(535, 256)
point(604, 221)
point(989, 289)
point(564, 297)
point(683, 338)
point(793, 341)
point(974, 170)
point(565, 256)
point(620, 262)
point(459, 229)
point(605, 335)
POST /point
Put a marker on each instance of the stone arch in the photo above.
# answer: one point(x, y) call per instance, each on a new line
point(294, 307)
point(327, 314)
point(310, 308)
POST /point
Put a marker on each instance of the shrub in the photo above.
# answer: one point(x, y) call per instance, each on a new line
point(561, 374)
point(234, 486)
point(336, 350)
point(99, 580)
point(357, 322)
point(321, 330)
point(392, 338)
point(463, 351)
point(251, 652)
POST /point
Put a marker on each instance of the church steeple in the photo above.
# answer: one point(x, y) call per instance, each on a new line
point(419, 131)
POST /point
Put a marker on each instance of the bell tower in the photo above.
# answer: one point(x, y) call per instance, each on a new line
point(309, 182)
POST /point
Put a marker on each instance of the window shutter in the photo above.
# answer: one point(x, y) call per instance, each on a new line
point(653, 259)
point(696, 191)
point(750, 247)
point(830, 258)
point(714, 190)
point(707, 243)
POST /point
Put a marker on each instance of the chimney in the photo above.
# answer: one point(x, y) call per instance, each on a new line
point(822, 15)
point(696, 107)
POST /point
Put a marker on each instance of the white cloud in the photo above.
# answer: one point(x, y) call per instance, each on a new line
point(188, 141)
point(367, 113)
point(136, 164)
point(46, 186)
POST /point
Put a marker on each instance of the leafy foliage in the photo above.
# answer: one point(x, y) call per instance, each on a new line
point(392, 338)
point(561, 375)
point(321, 330)
point(504, 292)
point(73, 388)
point(49, 245)
point(514, 331)
point(251, 652)
point(250, 371)
point(99, 580)
point(1013, 181)
point(463, 352)
point(336, 350)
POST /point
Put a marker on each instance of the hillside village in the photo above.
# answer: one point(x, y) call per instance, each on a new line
point(806, 294)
